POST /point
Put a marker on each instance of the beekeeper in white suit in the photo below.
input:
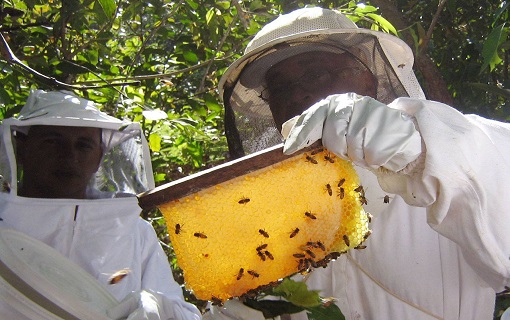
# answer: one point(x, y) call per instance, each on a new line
point(80, 169)
point(440, 248)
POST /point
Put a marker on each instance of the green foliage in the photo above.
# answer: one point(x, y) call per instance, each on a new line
point(296, 298)
point(297, 293)
point(470, 47)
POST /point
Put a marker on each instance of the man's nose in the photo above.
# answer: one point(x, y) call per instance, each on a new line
point(299, 92)
point(69, 152)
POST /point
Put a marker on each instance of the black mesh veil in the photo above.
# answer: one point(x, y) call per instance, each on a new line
point(248, 121)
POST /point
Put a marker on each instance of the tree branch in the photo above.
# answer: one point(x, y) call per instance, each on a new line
point(11, 58)
point(433, 23)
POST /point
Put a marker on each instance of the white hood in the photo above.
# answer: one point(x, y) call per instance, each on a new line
point(126, 165)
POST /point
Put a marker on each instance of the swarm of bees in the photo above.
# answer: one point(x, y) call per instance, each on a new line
point(251, 244)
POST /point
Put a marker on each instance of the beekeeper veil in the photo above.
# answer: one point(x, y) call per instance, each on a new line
point(126, 165)
point(248, 120)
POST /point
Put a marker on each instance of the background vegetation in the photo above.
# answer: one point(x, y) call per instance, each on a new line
point(159, 62)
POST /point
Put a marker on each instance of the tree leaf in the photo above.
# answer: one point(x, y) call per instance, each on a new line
point(297, 293)
point(385, 24)
point(491, 45)
point(156, 114)
point(155, 142)
point(108, 7)
point(330, 312)
point(273, 308)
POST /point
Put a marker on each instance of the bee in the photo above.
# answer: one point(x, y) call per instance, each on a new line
point(341, 182)
point(216, 301)
point(269, 255)
point(326, 302)
point(328, 188)
point(261, 255)
point(301, 264)
point(341, 193)
point(369, 217)
point(363, 200)
point(402, 65)
point(311, 244)
point(243, 200)
point(262, 247)
point(118, 276)
point(310, 159)
point(346, 240)
point(360, 190)
point(253, 273)
point(386, 199)
point(6, 187)
point(334, 255)
point(177, 228)
point(264, 233)
point(294, 233)
point(200, 235)
point(321, 246)
point(318, 150)
point(329, 158)
point(360, 247)
point(310, 253)
point(299, 255)
point(365, 237)
point(240, 274)
point(310, 215)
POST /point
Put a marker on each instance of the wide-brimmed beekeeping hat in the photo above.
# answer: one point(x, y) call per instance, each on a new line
point(316, 29)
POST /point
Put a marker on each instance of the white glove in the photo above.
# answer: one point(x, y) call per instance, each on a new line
point(233, 310)
point(145, 304)
point(360, 129)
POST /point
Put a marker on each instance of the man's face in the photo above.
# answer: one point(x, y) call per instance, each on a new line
point(295, 84)
point(58, 161)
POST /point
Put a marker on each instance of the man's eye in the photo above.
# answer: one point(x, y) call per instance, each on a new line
point(51, 141)
point(85, 146)
point(314, 76)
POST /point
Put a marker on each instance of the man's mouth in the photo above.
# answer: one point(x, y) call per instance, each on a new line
point(66, 173)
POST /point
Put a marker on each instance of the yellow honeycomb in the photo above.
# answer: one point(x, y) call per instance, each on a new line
point(256, 229)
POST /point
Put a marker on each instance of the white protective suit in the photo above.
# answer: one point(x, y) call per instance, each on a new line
point(103, 234)
point(444, 253)
point(440, 248)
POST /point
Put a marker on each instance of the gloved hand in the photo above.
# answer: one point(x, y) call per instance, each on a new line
point(233, 310)
point(360, 129)
point(146, 304)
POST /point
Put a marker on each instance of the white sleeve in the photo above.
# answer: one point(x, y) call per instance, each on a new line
point(157, 276)
point(463, 179)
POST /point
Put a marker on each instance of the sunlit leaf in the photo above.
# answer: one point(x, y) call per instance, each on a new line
point(154, 142)
point(190, 56)
point(385, 24)
point(491, 45)
point(155, 114)
point(297, 293)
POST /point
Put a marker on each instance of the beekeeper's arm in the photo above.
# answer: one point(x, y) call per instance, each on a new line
point(433, 156)
point(160, 296)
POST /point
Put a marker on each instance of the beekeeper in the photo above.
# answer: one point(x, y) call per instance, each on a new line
point(79, 170)
point(440, 248)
